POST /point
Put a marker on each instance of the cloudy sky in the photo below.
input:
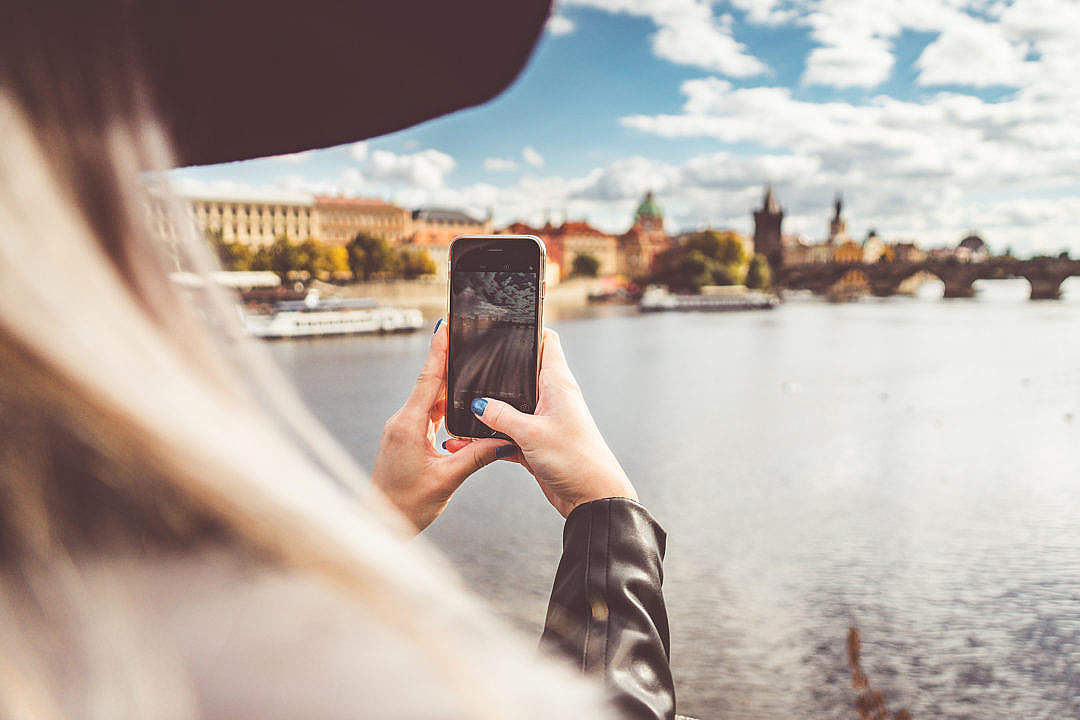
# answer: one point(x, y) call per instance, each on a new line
point(934, 117)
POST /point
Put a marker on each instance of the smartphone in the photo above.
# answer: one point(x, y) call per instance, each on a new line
point(496, 321)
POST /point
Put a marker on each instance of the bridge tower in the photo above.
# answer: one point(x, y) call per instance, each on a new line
point(768, 240)
point(837, 225)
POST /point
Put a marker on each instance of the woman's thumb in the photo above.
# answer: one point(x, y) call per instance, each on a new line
point(501, 416)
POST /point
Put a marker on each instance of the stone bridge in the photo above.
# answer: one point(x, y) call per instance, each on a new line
point(1045, 274)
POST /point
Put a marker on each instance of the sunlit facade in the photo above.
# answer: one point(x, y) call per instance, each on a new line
point(343, 218)
point(252, 220)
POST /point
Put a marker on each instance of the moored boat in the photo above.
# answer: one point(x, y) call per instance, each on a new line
point(657, 299)
point(315, 317)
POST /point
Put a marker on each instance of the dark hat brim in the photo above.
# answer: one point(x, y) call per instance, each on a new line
point(238, 79)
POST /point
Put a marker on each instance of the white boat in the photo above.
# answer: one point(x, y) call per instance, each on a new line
point(657, 299)
point(314, 317)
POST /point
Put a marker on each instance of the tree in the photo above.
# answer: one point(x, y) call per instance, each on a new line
point(416, 262)
point(320, 259)
point(280, 256)
point(306, 257)
point(337, 257)
point(758, 275)
point(705, 258)
point(585, 265)
point(232, 255)
point(726, 248)
point(371, 257)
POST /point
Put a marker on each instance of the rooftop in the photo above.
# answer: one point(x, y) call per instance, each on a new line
point(579, 227)
point(445, 215)
point(355, 202)
point(520, 228)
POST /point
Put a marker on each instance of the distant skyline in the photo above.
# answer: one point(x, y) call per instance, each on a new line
point(933, 117)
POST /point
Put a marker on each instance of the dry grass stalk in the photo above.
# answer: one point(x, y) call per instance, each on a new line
point(869, 703)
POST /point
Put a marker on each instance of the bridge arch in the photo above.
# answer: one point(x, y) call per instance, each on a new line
point(885, 278)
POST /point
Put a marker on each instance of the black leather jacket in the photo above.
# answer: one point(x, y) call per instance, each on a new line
point(607, 606)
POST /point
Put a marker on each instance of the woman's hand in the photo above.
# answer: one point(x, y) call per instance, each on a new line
point(560, 444)
point(408, 470)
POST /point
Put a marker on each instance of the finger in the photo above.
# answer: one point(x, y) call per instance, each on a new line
point(470, 458)
point(438, 409)
point(503, 417)
point(454, 444)
point(433, 375)
point(551, 353)
point(506, 451)
point(552, 359)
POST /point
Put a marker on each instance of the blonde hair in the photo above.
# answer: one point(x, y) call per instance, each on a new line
point(132, 416)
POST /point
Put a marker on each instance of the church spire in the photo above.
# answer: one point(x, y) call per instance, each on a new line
point(769, 203)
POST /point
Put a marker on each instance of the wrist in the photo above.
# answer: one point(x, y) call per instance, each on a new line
point(615, 487)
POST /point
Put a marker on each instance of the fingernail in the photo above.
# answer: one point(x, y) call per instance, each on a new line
point(444, 444)
point(479, 405)
point(505, 451)
point(437, 324)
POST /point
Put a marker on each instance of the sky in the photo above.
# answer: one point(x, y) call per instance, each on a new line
point(933, 118)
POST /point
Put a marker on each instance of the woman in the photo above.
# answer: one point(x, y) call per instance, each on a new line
point(178, 537)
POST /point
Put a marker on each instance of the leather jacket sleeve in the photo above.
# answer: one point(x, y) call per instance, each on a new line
point(607, 607)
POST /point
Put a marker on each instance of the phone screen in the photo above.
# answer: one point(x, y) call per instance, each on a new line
point(495, 313)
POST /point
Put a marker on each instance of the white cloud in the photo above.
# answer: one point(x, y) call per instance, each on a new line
point(975, 42)
point(378, 172)
point(560, 25)
point(497, 164)
point(974, 53)
point(924, 169)
point(531, 156)
point(855, 42)
point(426, 168)
point(626, 179)
point(359, 150)
point(766, 12)
point(688, 33)
point(856, 62)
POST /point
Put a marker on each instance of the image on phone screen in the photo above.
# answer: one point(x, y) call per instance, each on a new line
point(494, 315)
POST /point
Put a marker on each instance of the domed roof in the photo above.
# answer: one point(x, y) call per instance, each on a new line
point(648, 208)
point(973, 242)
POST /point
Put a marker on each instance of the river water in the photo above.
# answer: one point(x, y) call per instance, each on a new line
point(910, 466)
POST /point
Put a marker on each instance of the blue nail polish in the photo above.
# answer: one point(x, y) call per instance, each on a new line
point(479, 405)
point(444, 444)
point(505, 451)
point(437, 324)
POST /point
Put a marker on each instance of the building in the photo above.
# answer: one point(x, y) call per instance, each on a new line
point(638, 247)
point(873, 249)
point(768, 237)
point(796, 252)
point(251, 219)
point(837, 225)
point(442, 225)
point(552, 247)
point(907, 252)
point(972, 249)
point(343, 218)
point(433, 229)
point(574, 238)
point(848, 251)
